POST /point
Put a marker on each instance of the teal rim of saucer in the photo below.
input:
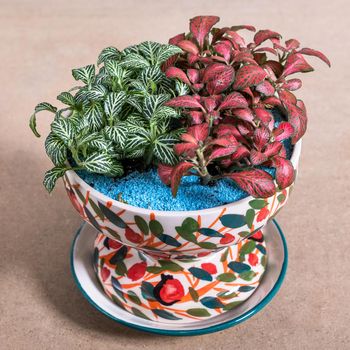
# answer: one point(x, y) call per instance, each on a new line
point(191, 332)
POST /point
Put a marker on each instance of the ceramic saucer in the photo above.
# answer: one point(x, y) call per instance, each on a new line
point(85, 277)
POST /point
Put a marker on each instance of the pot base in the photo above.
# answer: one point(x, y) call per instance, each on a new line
point(183, 290)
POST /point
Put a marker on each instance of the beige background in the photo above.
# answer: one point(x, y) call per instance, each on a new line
point(40, 307)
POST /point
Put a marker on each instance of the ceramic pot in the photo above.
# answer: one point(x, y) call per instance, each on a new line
point(159, 260)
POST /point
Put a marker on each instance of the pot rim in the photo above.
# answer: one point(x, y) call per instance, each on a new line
point(71, 174)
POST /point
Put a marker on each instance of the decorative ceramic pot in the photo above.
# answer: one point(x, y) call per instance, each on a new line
point(177, 265)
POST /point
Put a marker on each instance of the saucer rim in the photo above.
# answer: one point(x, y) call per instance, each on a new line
point(188, 332)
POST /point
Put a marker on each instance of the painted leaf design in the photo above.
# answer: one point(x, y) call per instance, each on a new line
point(238, 267)
point(200, 273)
point(249, 75)
point(156, 227)
point(119, 256)
point(210, 232)
point(245, 288)
point(200, 27)
point(247, 275)
point(249, 217)
point(141, 224)
point(111, 216)
point(247, 247)
point(198, 312)
point(147, 291)
point(139, 313)
point(165, 314)
point(169, 240)
point(226, 277)
point(117, 288)
point(170, 265)
point(233, 220)
point(312, 52)
point(92, 219)
point(256, 182)
point(212, 302)
point(258, 203)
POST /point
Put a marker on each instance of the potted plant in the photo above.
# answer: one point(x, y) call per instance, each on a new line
point(208, 107)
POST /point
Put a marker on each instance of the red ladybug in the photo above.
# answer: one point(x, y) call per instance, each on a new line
point(137, 271)
point(169, 290)
point(132, 236)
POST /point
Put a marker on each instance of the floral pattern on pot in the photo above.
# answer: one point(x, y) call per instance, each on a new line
point(179, 290)
point(170, 234)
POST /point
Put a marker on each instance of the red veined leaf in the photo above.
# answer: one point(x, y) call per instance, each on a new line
point(243, 114)
point(277, 45)
point(292, 84)
point(263, 115)
point(200, 132)
point(193, 75)
point(285, 172)
point(292, 44)
point(234, 100)
point(200, 27)
point(283, 131)
point(311, 52)
point(248, 27)
point(169, 63)
point(227, 141)
point(186, 101)
point(287, 98)
point(260, 57)
point(257, 157)
point(283, 152)
point(224, 48)
point(188, 46)
point(164, 172)
point(296, 63)
point(240, 153)
point(249, 75)
point(221, 80)
point(189, 138)
point(224, 130)
point(219, 58)
point(236, 39)
point(197, 117)
point(221, 152)
point(256, 182)
point(198, 87)
point(218, 33)
point(177, 173)
point(263, 35)
point(245, 129)
point(266, 49)
point(173, 72)
point(273, 149)
point(185, 148)
point(271, 101)
point(209, 103)
point(261, 137)
point(176, 39)
point(243, 57)
point(275, 66)
point(298, 118)
point(192, 58)
point(265, 88)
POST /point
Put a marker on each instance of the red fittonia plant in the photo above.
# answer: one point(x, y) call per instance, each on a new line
point(234, 87)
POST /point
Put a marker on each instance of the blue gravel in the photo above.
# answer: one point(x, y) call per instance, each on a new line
point(145, 190)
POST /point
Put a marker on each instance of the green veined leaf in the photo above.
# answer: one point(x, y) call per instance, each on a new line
point(163, 148)
point(137, 140)
point(93, 115)
point(55, 149)
point(66, 98)
point(114, 69)
point(98, 163)
point(64, 129)
point(114, 103)
point(166, 86)
point(149, 50)
point(134, 61)
point(116, 170)
point(43, 106)
point(101, 144)
point(96, 93)
point(165, 113)
point(152, 103)
point(51, 177)
point(181, 88)
point(130, 49)
point(135, 102)
point(117, 134)
point(85, 74)
point(109, 53)
point(136, 122)
point(165, 52)
point(153, 74)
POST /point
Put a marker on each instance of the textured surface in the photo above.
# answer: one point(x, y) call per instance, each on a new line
point(40, 306)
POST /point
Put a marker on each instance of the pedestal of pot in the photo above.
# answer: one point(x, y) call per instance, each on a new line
point(184, 290)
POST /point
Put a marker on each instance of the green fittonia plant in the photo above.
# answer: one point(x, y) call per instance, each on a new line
point(116, 119)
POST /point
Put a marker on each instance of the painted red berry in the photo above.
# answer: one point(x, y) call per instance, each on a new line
point(209, 267)
point(113, 244)
point(105, 273)
point(263, 213)
point(172, 291)
point(132, 236)
point(252, 259)
point(137, 271)
point(228, 238)
point(257, 236)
